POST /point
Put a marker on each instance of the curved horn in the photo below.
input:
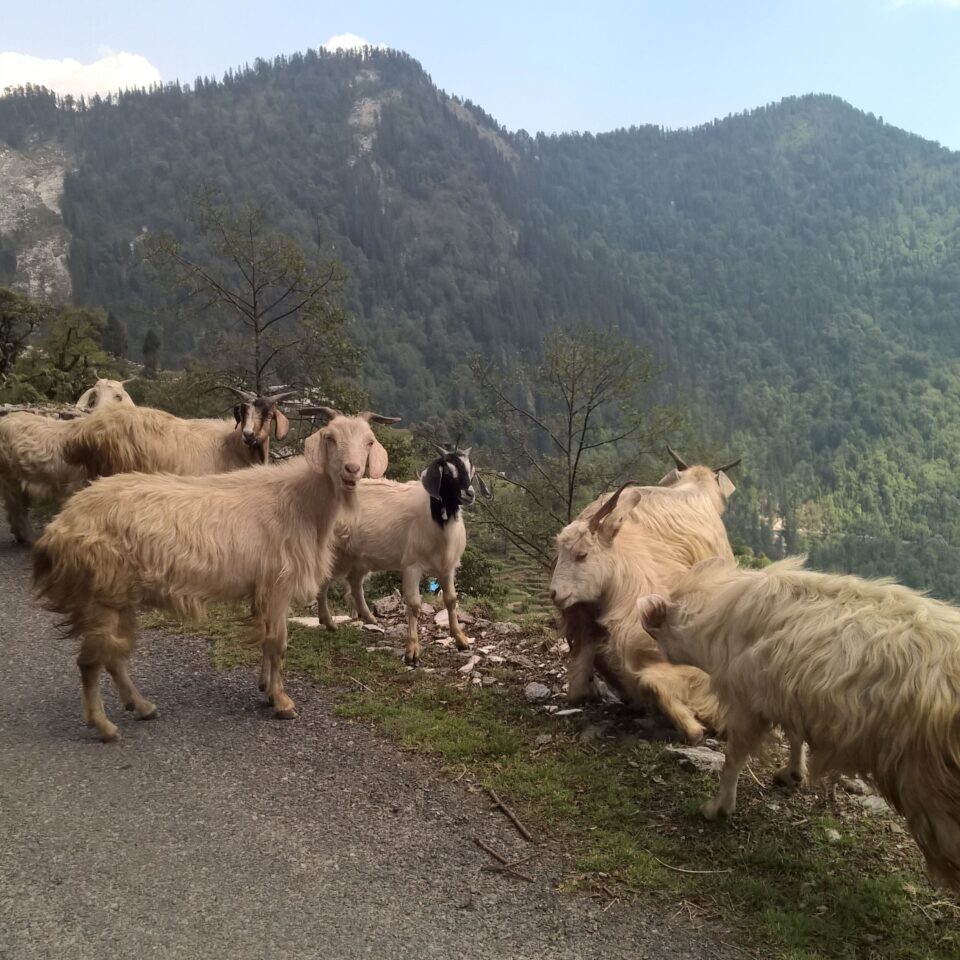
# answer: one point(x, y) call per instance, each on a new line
point(677, 459)
point(371, 417)
point(728, 466)
point(277, 397)
point(242, 394)
point(608, 505)
point(329, 412)
point(443, 451)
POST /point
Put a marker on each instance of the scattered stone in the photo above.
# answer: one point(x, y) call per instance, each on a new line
point(592, 731)
point(569, 712)
point(494, 658)
point(427, 609)
point(489, 681)
point(535, 691)
point(544, 738)
point(442, 619)
point(856, 786)
point(373, 628)
point(697, 758)
point(833, 836)
point(506, 629)
point(306, 621)
point(481, 624)
point(873, 804)
point(470, 664)
point(444, 641)
point(386, 606)
point(340, 618)
point(519, 660)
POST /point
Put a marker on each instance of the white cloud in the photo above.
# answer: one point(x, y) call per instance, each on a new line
point(112, 72)
point(349, 41)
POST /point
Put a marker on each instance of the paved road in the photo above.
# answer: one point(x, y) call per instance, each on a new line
point(218, 832)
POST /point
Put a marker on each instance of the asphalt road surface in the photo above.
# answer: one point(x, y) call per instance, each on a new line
point(216, 831)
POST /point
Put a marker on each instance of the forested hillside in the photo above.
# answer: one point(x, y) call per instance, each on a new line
point(795, 269)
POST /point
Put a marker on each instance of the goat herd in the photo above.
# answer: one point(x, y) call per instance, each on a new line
point(864, 673)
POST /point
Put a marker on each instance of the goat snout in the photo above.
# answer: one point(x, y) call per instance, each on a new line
point(351, 473)
point(249, 437)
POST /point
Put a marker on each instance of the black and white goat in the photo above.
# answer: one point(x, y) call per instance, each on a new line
point(413, 527)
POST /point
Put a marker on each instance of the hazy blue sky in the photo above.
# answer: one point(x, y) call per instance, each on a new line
point(538, 65)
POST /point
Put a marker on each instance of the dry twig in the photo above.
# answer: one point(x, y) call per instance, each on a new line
point(685, 870)
point(497, 802)
point(505, 865)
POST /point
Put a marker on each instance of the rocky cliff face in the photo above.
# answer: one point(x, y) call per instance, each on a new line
point(31, 221)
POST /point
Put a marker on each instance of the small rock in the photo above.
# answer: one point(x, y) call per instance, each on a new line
point(592, 731)
point(519, 660)
point(373, 628)
point(481, 624)
point(535, 691)
point(569, 712)
point(506, 629)
point(494, 658)
point(697, 758)
point(856, 786)
point(544, 738)
point(471, 663)
point(489, 681)
point(442, 619)
point(386, 606)
point(832, 836)
point(306, 621)
point(427, 609)
point(341, 618)
point(873, 804)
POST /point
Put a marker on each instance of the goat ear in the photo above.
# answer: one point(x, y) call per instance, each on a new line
point(670, 479)
point(610, 526)
point(377, 461)
point(281, 425)
point(485, 491)
point(431, 479)
point(237, 414)
point(314, 450)
point(653, 611)
point(84, 402)
point(726, 484)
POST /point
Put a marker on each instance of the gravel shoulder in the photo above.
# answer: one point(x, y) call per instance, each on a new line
point(219, 832)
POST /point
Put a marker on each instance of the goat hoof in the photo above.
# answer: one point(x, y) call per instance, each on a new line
point(463, 644)
point(713, 809)
point(411, 661)
point(289, 714)
point(262, 687)
point(151, 714)
point(110, 736)
point(788, 778)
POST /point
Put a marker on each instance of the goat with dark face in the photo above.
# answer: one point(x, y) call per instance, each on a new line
point(414, 527)
point(254, 416)
point(143, 440)
point(449, 481)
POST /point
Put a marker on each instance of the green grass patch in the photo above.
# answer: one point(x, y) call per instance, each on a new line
point(628, 814)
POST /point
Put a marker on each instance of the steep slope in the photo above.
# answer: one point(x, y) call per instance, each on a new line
point(796, 268)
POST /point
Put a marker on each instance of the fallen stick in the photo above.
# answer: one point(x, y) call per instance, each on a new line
point(359, 683)
point(497, 802)
point(685, 870)
point(504, 866)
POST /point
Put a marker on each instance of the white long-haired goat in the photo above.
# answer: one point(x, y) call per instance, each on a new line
point(180, 542)
point(639, 540)
point(414, 527)
point(32, 464)
point(866, 672)
point(144, 440)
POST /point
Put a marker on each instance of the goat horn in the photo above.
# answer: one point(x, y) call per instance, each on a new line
point(677, 459)
point(728, 466)
point(443, 451)
point(608, 505)
point(329, 412)
point(277, 397)
point(377, 418)
point(242, 394)
point(96, 376)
